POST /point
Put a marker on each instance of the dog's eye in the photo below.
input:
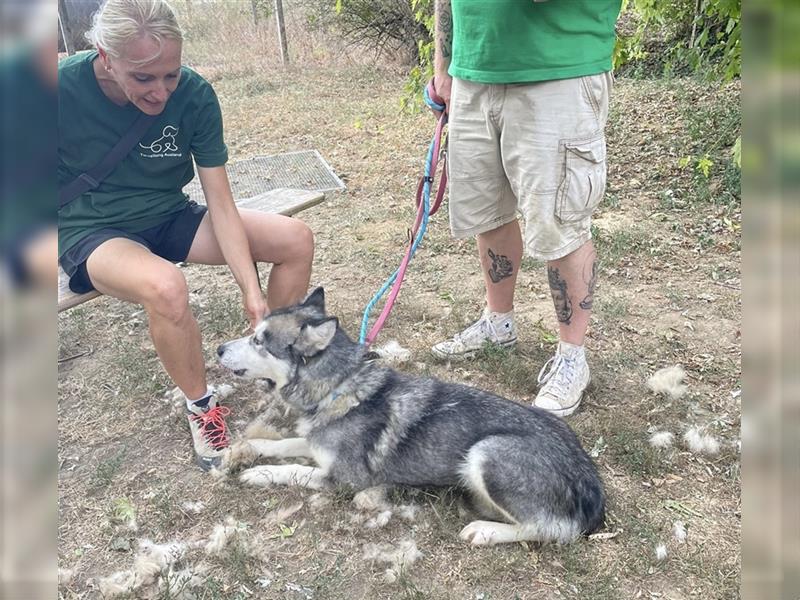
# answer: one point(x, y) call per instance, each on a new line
point(257, 341)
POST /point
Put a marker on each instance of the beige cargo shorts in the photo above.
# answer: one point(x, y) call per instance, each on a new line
point(531, 149)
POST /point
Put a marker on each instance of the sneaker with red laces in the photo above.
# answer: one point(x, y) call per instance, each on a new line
point(209, 431)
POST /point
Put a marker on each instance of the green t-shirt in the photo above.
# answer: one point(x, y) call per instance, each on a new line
point(515, 41)
point(145, 188)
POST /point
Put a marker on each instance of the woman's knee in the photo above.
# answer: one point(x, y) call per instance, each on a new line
point(297, 245)
point(167, 294)
point(305, 241)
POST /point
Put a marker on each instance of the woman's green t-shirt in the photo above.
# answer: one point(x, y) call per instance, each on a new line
point(145, 188)
point(516, 41)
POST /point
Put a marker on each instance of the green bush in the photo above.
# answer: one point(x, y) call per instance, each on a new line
point(698, 36)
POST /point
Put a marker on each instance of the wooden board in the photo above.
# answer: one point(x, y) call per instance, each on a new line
point(280, 201)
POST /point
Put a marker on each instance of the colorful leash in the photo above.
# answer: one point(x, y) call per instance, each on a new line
point(424, 212)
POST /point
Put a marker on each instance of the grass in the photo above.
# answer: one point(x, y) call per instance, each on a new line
point(617, 246)
point(632, 452)
point(106, 470)
point(162, 511)
point(713, 127)
point(612, 308)
point(508, 365)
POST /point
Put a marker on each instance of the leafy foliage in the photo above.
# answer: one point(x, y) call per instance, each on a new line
point(700, 36)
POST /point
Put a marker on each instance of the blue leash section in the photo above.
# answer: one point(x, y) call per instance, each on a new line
point(426, 194)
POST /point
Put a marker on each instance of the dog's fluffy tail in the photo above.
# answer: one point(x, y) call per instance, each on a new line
point(591, 505)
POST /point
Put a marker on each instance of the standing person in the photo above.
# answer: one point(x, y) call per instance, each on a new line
point(526, 84)
point(124, 236)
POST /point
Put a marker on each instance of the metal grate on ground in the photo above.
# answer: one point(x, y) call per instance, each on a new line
point(302, 170)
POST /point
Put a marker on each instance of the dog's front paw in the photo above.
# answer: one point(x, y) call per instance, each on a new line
point(239, 454)
point(480, 533)
point(258, 476)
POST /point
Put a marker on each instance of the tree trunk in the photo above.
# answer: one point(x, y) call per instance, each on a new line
point(64, 28)
point(254, 6)
point(282, 32)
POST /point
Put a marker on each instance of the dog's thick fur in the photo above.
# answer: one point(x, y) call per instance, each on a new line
point(366, 425)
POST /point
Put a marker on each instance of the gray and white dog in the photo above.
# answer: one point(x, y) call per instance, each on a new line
point(366, 425)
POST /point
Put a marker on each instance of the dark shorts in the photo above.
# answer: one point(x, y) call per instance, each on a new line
point(171, 240)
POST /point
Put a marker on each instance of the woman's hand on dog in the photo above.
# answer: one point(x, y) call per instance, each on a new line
point(255, 307)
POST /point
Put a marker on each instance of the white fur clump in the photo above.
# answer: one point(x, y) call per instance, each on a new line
point(152, 560)
point(668, 381)
point(194, 508)
point(700, 443)
point(399, 557)
point(679, 531)
point(118, 584)
point(318, 501)
point(371, 499)
point(661, 552)
point(224, 534)
point(180, 582)
point(661, 439)
point(379, 521)
point(158, 557)
point(221, 391)
point(393, 353)
point(408, 512)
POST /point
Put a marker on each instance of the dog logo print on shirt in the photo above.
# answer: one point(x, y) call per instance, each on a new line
point(163, 146)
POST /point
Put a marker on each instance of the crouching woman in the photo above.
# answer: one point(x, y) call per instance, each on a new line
point(124, 236)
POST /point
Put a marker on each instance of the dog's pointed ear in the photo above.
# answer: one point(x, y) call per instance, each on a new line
point(315, 336)
point(316, 299)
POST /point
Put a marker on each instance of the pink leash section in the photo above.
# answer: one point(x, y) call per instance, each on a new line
point(424, 211)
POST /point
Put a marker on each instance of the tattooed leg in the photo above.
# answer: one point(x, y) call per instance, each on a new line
point(558, 288)
point(572, 282)
point(501, 267)
point(591, 282)
point(500, 252)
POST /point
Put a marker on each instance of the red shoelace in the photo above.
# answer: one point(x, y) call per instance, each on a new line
point(212, 424)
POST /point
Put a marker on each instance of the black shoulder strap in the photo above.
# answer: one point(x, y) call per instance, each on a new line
point(92, 178)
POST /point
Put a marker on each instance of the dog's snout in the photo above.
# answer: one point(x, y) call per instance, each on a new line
point(221, 350)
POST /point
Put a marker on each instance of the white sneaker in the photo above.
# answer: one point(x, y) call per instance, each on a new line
point(491, 327)
point(563, 380)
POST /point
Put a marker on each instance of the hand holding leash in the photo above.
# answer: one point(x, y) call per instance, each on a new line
point(437, 94)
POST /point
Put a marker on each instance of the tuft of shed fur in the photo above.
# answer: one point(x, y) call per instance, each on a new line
point(661, 439)
point(700, 443)
point(393, 353)
point(400, 557)
point(668, 381)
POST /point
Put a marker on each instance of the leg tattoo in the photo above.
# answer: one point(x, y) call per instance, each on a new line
point(558, 288)
point(501, 268)
point(588, 301)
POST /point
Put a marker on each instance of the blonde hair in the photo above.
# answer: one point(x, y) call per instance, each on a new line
point(119, 22)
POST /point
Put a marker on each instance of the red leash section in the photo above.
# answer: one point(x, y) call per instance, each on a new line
point(424, 211)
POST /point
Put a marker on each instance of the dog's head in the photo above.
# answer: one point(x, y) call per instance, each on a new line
point(283, 343)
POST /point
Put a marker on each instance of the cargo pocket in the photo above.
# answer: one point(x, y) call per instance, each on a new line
point(584, 182)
